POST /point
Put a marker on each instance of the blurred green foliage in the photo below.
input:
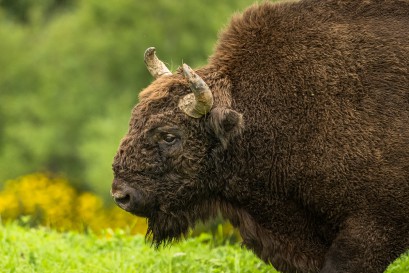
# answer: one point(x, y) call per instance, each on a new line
point(70, 72)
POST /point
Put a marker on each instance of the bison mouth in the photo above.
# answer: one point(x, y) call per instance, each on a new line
point(163, 227)
point(165, 224)
point(130, 199)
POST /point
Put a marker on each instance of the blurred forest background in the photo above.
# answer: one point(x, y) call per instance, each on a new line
point(70, 72)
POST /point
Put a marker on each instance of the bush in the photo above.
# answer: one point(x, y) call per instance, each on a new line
point(72, 71)
point(44, 199)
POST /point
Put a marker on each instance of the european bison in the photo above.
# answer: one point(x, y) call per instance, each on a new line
point(297, 131)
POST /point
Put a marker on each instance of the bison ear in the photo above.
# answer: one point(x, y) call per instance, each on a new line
point(226, 124)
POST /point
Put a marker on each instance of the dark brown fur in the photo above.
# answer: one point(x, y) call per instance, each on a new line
point(306, 150)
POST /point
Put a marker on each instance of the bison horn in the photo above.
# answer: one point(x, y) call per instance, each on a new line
point(155, 66)
point(199, 102)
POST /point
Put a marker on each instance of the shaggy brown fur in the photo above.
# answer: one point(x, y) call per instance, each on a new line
point(306, 149)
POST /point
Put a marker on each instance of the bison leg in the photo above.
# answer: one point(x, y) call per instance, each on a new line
point(360, 247)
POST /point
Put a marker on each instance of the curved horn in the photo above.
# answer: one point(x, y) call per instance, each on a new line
point(155, 66)
point(199, 102)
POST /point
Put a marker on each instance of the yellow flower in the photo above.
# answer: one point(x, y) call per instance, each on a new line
point(52, 201)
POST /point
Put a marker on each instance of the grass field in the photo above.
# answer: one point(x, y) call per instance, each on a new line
point(43, 250)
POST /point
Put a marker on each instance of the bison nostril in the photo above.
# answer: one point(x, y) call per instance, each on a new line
point(123, 200)
point(129, 198)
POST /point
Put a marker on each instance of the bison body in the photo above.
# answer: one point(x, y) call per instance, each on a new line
point(303, 146)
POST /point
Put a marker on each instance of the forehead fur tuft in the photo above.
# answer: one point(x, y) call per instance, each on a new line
point(159, 88)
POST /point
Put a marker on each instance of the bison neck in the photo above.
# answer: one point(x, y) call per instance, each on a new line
point(259, 203)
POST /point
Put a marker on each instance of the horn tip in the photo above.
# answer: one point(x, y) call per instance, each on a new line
point(150, 51)
point(187, 71)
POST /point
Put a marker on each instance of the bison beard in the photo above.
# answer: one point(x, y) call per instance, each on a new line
point(166, 228)
point(297, 131)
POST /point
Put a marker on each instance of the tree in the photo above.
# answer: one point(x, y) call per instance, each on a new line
point(70, 80)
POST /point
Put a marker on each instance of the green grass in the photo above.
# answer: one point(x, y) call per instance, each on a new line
point(43, 250)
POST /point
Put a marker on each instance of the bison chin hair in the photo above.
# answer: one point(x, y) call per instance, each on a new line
point(165, 228)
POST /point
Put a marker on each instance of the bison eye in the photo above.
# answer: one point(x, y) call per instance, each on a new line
point(169, 138)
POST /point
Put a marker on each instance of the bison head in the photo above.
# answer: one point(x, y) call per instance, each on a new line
point(166, 167)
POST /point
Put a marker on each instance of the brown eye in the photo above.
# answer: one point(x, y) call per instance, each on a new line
point(169, 138)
